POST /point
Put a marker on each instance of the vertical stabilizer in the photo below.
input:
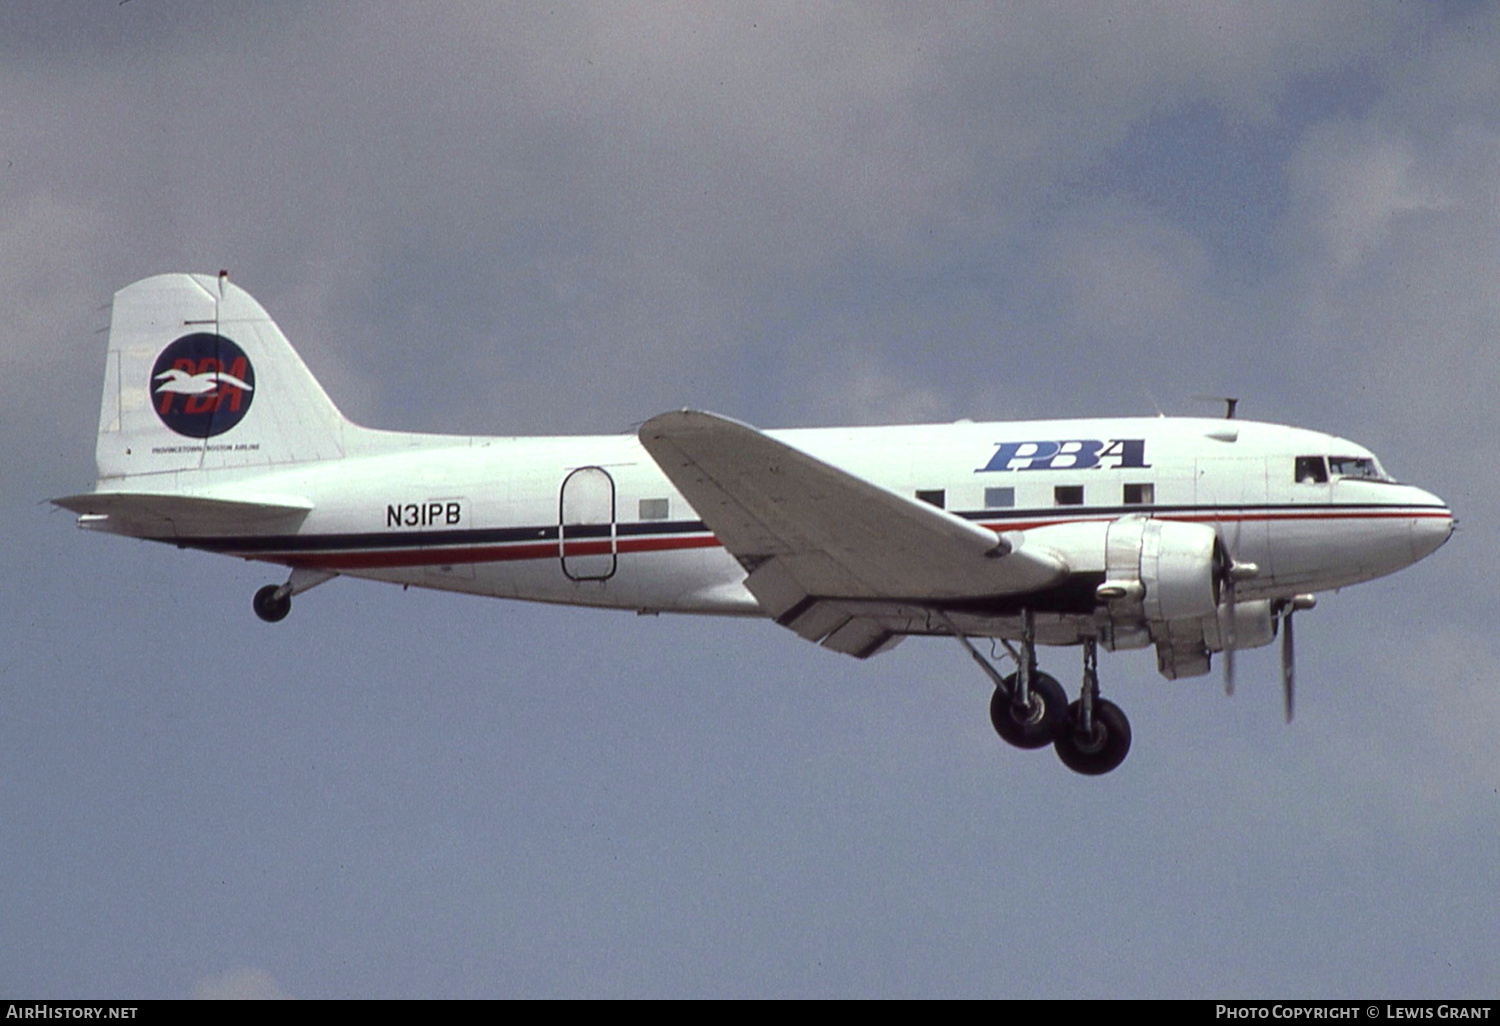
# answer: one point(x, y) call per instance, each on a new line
point(198, 377)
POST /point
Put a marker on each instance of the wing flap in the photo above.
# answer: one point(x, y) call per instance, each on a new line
point(861, 638)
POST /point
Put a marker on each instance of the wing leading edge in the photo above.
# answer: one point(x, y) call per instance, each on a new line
point(819, 542)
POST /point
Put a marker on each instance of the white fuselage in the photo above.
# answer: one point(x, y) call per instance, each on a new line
point(591, 520)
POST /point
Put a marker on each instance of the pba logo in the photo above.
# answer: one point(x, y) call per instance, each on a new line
point(202, 385)
point(1069, 454)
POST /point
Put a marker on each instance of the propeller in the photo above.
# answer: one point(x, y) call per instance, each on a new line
point(1231, 570)
point(1288, 651)
point(1288, 665)
point(1230, 638)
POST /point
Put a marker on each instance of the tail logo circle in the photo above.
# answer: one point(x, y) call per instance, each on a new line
point(202, 385)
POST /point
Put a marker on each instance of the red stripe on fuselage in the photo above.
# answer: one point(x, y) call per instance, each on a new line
point(503, 553)
point(1198, 518)
point(512, 551)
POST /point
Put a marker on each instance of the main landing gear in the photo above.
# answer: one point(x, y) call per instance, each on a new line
point(274, 601)
point(1030, 709)
point(1096, 735)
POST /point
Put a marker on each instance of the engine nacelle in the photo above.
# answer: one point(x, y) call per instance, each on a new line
point(1157, 570)
point(1253, 627)
point(1163, 586)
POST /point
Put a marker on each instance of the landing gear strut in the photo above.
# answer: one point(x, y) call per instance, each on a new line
point(1029, 709)
point(1096, 735)
point(274, 601)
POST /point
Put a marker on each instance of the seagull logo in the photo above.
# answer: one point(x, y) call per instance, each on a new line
point(180, 382)
point(202, 385)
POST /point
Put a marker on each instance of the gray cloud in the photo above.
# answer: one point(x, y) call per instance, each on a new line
point(239, 985)
point(795, 215)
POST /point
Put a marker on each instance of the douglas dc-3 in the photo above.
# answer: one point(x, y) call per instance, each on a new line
point(1197, 536)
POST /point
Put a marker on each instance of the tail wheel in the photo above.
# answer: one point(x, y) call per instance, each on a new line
point(270, 608)
point(1099, 750)
point(1035, 724)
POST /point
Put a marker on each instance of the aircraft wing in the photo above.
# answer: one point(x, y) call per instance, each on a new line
point(821, 544)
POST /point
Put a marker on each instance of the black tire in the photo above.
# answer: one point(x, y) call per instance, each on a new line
point(1100, 752)
point(1039, 723)
point(268, 607)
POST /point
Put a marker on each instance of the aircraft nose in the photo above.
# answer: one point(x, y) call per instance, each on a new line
point(1431, 528)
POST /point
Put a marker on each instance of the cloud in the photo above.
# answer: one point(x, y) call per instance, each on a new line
point(632, 183)
point(1391, 247)
point(243, 984)
point(1124, 274)
point(794, 214)
point(1359, 180)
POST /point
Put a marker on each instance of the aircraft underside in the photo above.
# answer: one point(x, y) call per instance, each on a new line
point(1029, 709)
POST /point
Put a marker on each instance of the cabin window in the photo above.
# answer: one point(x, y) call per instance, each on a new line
point(654, 509)
point(932, 496)
point(1068, 495)
point(999, 498)
point(1140, 494)
point(1311, 470)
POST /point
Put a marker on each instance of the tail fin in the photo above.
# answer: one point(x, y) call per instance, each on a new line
point(200, 378)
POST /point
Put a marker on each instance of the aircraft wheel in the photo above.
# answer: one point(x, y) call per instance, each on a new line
point(1100, 752)
point(1033, 726)
point(270, 608)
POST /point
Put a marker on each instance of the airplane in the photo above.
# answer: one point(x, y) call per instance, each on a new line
point(1197, 536)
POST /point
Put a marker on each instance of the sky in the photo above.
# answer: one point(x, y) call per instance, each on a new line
point(541, 219)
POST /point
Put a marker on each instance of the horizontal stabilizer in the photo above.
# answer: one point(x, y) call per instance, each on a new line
point(150, 515)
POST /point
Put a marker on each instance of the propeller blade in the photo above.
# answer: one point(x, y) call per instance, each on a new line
point(1230, 571)
point(1229, 671)
point(1288, 666)
point(1229, 635)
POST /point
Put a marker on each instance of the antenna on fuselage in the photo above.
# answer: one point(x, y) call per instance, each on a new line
point(1231, 403)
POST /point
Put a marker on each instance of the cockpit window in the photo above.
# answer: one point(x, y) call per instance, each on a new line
point(1311, 470)
point(1355, 466)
